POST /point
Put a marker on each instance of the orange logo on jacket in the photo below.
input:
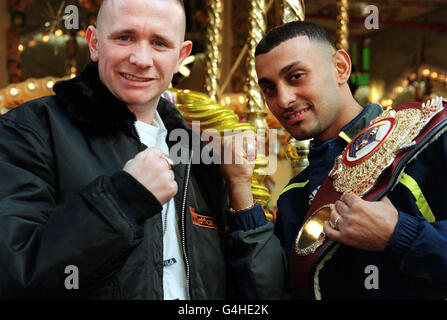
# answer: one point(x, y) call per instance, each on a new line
point(202, 221)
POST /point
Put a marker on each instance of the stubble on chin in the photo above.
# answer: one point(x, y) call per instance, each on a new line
point(303, 134)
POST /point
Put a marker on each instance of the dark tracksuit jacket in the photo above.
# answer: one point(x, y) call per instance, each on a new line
point(414, 264)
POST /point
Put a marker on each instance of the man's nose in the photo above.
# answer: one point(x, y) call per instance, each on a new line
point(141, 55)
point(286, 97)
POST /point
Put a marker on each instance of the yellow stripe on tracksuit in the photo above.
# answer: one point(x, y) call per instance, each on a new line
point(344, 136)
point(294, 185)
point(421, 202)
point(412, 185)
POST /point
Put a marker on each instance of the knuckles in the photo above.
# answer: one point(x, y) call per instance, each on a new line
point(167, 175)
point(172, 188)
point(357, 206)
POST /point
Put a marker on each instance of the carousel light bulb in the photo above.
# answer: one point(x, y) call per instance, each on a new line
point(58, 32)
point(21, 47)
point(426, 72)
point(81, 33)
point(13, 91)
point(50, 84)
point(45, 37)
point(434, 75)
point(31, 86)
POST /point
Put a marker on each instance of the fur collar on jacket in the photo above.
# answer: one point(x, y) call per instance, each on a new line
point(90, 104)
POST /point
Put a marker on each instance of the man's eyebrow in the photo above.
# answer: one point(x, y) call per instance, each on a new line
point(131, 31)
point(281, 72)
point(289, 66)
point(121, 31)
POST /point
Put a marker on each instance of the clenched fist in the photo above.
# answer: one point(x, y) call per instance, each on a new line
point(154, 172)
point(238, 162)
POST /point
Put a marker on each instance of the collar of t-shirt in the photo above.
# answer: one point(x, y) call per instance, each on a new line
point(153, 135)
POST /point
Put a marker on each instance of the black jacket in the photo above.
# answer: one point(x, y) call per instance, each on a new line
point(65, 201)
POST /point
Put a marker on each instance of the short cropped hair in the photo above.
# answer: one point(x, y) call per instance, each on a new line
point(100, 11)
point(181, 2)
point(291, 30)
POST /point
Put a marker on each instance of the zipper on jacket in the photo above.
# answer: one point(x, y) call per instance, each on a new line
point(185, 193)
point(137, 135)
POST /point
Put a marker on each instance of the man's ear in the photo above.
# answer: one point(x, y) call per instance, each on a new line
point(342, 64)
point(92, 41)
point(185, 51)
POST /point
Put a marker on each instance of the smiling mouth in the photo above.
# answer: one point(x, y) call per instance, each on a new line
point(296, 113)
point(134, 78)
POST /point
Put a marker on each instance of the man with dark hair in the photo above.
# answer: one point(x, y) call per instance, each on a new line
point(91, 206)
point(401, 234)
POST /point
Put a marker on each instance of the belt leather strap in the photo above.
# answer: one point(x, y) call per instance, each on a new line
point(302, 268)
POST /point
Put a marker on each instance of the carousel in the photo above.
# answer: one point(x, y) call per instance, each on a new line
point(217, 84)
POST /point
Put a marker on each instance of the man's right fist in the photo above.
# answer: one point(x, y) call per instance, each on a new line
point(154, 172)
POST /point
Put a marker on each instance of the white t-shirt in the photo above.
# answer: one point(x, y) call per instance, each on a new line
point(174, 275)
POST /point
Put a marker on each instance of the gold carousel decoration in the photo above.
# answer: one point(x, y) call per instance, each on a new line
point(204, 107)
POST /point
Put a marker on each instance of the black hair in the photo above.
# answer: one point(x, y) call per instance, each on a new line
point(291, 30)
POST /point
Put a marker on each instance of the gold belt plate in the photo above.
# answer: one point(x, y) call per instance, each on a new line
point(374, 148)
point(311, 235)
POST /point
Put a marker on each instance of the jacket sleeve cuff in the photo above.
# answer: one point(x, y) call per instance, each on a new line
point(404, 235)
point(248, 219)
point(137, 202)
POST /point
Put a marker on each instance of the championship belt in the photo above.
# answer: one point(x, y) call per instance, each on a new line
point(370, 166)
